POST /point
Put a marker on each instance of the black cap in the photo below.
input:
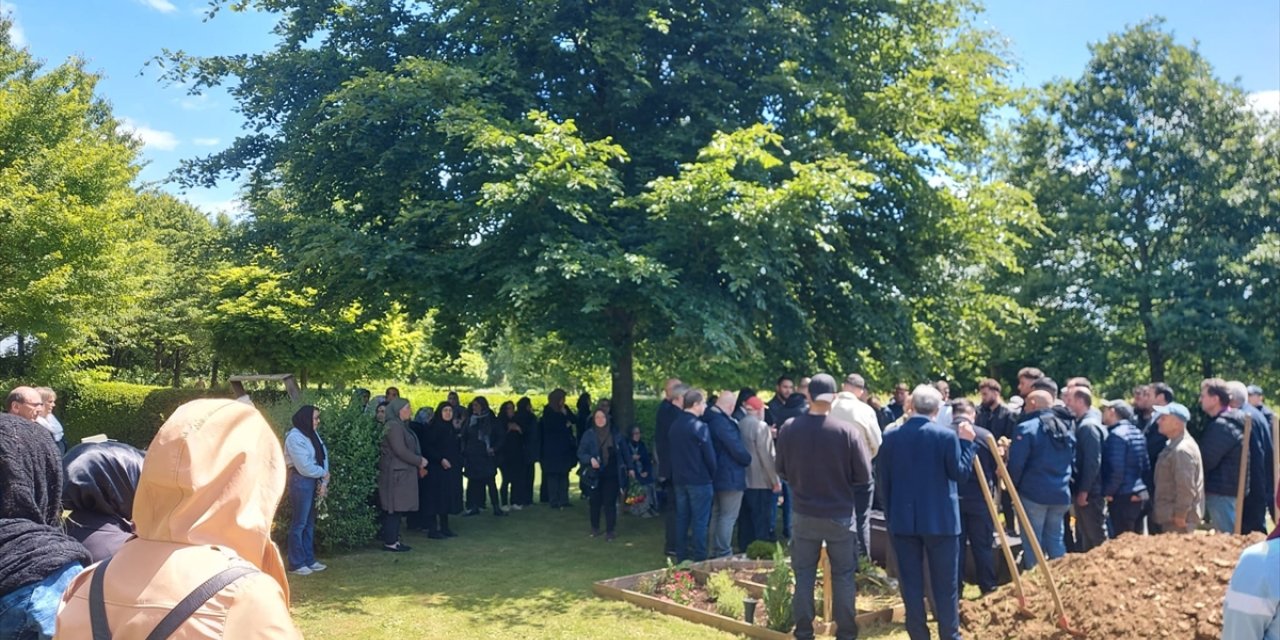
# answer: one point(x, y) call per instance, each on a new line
point(821, 384)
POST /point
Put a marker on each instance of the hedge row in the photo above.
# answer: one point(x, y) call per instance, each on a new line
point(126, 412)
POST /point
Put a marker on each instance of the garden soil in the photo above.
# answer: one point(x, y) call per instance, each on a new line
point(1147, 587)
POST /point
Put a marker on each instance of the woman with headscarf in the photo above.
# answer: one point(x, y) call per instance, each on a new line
point(101, 481)
point(559, 448)
point(308, 462)
point(441, 495)
point(528, 423)
point(600, 454)
point(209, 489)
point(400, 465)
point(510, 456)
point(480, 442)
point(37, 560)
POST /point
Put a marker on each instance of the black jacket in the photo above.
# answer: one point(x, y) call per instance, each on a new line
point(667, 414)
point(999, 421)
point(1220, 451)
point(481, 440)
point(559, 448)
point(971, 500)
point(778, 412)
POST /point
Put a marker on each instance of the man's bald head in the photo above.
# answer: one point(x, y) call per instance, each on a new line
point(25, 402)
point(1039, 399)
point(670, 388)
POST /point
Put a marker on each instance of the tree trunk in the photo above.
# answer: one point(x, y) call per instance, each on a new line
point(177, 368)
point(1206, 367)
point(213, 376)
point(22, 355)
point(622, 368)
point(1155, 347)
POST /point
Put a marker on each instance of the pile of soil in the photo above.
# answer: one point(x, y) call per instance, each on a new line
point(1167, 586)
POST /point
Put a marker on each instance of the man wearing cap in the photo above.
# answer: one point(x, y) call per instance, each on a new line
point(919, 466)
point(1220, 446)
point(1178, 504)
point(826, 462)
point(849, 407)
point(759, 500)
point(1124, 463)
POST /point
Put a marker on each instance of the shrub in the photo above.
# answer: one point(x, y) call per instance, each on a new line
point(720, 582)
point(730, 604)
point(777, 594)
point(346, 518)
point(126, 412)
point(760, 550)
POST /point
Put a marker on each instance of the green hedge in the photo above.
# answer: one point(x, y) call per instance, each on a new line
point(126, 412)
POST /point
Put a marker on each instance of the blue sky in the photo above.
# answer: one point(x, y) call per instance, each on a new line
point(1049, 38)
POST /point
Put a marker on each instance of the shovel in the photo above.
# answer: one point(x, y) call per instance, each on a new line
point(1030, 536)
point(1004, 541)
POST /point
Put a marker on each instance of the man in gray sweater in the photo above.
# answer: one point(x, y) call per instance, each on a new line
point(760, 500)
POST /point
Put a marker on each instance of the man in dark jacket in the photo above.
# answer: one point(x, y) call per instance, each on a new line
point(1086, 482)
point(1261, 485)
point(1040, 460)
point(976, 527)
point(1161, 395)
point(995, 416)
point(732, 460)
point(693, 469)
point(785, 405)
point(826, 461)
point(670, 409)
point(899, 404)
point(1124, 464)
point(917, 470)
point(1220, 451)
point(1255, 400)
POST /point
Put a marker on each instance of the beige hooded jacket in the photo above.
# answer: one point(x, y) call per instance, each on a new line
point(212, 479)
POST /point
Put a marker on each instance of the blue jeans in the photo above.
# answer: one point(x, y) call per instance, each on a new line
point(842, 549)
point(1221, 511)
point(944, 576)
point(755, 518)
point(302, 521)
point(862, 517)
point(724, 514)
point(1047, 524)
point(693, 511)
point(786, 516)
point(29, 613)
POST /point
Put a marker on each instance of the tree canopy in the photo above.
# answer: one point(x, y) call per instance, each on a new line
point(728, 184)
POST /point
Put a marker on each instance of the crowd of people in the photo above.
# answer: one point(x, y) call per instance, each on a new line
point(809, 467)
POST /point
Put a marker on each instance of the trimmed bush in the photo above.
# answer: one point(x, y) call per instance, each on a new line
point(126, 412)
point(346, 519)
point(760, 550)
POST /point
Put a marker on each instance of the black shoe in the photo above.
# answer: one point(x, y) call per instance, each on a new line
point(436, 535)
point(470, 512)
point(500, 513)
point(397, 548)
point(448, 533)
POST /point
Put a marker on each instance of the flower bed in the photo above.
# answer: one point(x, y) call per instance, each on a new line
point(687, 593)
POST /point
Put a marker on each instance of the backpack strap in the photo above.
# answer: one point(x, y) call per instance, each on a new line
point(98, 605)
point(195, 600)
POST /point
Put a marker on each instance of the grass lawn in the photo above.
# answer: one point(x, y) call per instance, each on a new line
point(525, 576)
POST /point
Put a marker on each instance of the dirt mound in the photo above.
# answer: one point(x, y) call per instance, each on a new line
point(1166, 586)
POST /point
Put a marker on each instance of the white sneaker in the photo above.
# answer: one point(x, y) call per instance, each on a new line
point(506, 509)
point(517, 507)
point(317, 567)
point(302, 571)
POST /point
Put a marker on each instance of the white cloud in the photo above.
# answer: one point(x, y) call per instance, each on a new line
point(1265, 102)
point(233, 207)
point(16, 35)
point(207, 142)
point(195, 103)
point(152, 138)
point(163, 6)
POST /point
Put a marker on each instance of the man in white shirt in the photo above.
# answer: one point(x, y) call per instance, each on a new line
point(848, 406)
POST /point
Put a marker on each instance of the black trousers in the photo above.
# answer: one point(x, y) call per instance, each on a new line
point(557, 486)
point(508, 488)
point(438, 522)
point(389, 532)
point(668, 506)
point(1126, 515)
point(524, 491)
point(605, 498)
point(476, 488)
point(977, 529)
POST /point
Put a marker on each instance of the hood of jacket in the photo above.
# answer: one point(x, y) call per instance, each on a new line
point(214, 475)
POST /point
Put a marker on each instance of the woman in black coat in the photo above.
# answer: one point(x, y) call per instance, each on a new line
point(559, 448)
point(601, 455)
point(481, 439)
point(443, 494)
point(528, 423)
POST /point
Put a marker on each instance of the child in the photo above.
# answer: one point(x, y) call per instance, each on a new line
point(643, 501)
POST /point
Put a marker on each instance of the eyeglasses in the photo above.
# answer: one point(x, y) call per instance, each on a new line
point(33, 404)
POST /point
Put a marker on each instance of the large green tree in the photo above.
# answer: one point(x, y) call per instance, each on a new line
point(65, 176)
point(729, 186)
point(1145, 169)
